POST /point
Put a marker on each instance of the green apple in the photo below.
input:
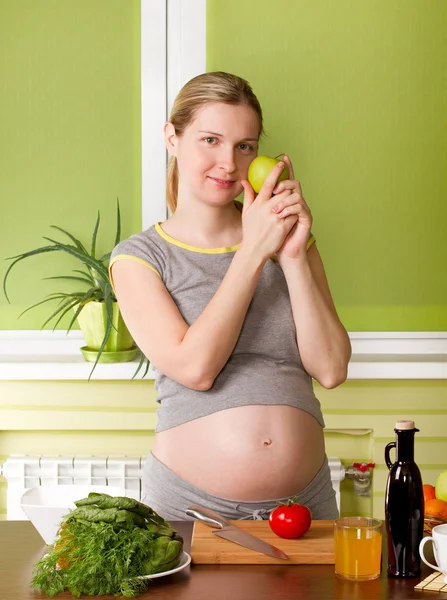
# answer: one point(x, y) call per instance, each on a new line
point(260, 167)
point(441, 486)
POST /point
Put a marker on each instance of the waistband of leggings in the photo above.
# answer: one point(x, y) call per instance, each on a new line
point(174, 481)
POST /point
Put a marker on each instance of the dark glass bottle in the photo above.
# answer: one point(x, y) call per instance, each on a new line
point(404, 505)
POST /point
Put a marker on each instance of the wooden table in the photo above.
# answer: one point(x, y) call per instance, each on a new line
point(21, 546)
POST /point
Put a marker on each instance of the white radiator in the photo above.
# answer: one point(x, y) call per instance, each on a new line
point(24, 471)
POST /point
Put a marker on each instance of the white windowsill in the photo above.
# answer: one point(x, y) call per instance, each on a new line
point(55, 356)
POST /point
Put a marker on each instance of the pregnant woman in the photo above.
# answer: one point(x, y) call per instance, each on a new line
point(233, 309)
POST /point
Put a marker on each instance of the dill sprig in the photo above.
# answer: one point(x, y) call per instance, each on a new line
point(97, 557)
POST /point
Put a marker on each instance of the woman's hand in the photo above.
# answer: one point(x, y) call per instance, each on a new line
point(263, 231)
point(295, 244)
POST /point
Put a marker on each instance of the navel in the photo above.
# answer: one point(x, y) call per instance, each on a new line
point(268, 442)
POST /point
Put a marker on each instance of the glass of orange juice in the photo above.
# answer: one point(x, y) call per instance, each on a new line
point(357, 548)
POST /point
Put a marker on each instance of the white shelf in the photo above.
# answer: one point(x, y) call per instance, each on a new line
point(55, 356)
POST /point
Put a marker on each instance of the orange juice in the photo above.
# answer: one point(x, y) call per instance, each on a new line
point(358, 551)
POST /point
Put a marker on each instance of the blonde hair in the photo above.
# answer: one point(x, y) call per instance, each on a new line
point(205, 88)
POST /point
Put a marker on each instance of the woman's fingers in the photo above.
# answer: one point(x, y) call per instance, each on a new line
point(286, 200)
point(288, 184)
point(266, 191)
point(288, 162)
point(304, 203)
point(249, 195)
point(296, 208)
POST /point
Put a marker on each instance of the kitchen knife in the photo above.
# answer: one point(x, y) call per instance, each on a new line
point(233, 534)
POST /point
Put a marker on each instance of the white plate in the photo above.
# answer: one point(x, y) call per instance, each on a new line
point(185, 559)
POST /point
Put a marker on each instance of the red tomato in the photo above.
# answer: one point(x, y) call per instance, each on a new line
point(290, 520)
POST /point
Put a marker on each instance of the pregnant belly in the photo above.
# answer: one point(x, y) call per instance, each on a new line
point(246, 453)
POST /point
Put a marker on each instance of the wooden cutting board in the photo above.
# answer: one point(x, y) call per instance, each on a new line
point(315, 547)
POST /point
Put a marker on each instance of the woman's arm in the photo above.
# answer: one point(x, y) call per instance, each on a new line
point(323, 342)
point(192, 355)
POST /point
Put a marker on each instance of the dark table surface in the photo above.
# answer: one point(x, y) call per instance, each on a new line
point(21, 546)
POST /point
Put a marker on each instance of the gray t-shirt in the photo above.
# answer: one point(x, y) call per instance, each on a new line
point(265, 365)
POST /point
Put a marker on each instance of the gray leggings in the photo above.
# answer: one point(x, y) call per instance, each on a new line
point(170, 495)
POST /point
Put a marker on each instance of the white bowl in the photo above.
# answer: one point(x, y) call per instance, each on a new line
point(46, 505)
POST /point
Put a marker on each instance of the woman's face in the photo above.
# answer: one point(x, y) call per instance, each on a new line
point(215, 151)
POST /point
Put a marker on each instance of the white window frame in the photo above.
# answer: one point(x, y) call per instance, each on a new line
point(173, 50)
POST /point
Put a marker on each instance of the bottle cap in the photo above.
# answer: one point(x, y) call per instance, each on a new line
point(404, 425)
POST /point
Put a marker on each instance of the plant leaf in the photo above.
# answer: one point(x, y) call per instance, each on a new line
point(20, 257)
point(79, 244)
point(54, 296)
point(40, 250)
point(88, 296)
point(95, 233)
point(140, 364)
point(103, 344)
point(83, 257)
point(87, 281)
point(106, 289)
point(77, 313)
point(70, 299)
point(118, 222)
point(109, 306)
point(86, 274)
point(42, 302)
point(81, 299)
point(65, 308)
point(81, 306)
point(110, 291)
point(147, 367)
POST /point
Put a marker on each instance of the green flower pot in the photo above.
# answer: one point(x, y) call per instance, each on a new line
point(92, 320)
point(109, 357)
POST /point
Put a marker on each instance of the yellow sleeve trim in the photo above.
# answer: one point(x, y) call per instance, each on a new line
point(129, 257)
point(311, 241)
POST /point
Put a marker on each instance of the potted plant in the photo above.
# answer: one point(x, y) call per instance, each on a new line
point(95, 307)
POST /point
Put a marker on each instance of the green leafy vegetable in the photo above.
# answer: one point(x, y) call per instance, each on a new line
point(106, 501)
point(109, 515)
point(102, 548)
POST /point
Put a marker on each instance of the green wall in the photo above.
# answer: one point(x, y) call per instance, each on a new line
point(356, 93)
point(70, 144)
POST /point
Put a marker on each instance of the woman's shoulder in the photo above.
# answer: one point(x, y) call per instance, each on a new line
point(141, 243)
point(146, 247)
